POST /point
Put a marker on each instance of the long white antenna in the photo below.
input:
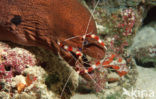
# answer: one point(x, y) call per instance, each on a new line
point(89, 22)
point(82, 48)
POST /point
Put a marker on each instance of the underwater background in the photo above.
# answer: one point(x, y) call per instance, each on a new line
point(126, 29)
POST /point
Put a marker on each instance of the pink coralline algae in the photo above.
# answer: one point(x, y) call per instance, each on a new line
point(13, 62)
point(128, 21)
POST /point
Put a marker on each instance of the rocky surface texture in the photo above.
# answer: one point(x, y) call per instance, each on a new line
point(144, 46)
point(21, 77)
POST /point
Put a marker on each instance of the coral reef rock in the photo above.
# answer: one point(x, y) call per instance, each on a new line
point(20, 77)
point(144, 46)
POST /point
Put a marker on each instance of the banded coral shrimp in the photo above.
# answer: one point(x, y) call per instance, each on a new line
point(108, 61)
point(111, 60)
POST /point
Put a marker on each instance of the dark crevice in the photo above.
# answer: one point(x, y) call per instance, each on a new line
point(151, 16)
point(8, 67)
point(146, 64)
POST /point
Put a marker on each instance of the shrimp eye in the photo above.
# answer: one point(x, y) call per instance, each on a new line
point(85, 42)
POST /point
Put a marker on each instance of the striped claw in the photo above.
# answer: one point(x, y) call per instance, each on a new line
point(97, 39)
point(109, 62)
